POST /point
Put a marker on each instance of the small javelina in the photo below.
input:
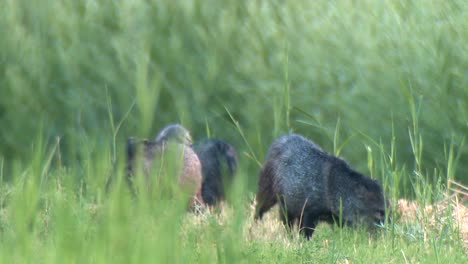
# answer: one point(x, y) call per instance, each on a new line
point(173, 137)
point(219, 164)
point(312, 185)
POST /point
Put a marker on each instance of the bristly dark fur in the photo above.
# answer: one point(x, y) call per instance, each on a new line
point(312, 185)
point(219, 165)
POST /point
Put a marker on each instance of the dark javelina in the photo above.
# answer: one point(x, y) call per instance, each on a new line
point(312, 185)
point(171, 137)
point(219, 164)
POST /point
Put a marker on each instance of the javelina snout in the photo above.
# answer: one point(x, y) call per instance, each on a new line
point(368, 204)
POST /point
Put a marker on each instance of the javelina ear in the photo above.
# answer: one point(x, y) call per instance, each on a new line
point(362, 192)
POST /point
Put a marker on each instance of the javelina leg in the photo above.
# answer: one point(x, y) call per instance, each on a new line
point(266, 197)
point(208, 196)
point(286, 217)
point(308, 224)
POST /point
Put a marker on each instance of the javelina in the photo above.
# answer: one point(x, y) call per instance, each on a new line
point(312, 185)
point(219, 164)
point(172, 138)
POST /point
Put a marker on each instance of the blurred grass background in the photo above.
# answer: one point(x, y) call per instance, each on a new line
point(61, 63)
point(382, 83)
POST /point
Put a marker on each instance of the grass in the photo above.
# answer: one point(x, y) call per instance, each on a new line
point(48, 218)
point(380, 83)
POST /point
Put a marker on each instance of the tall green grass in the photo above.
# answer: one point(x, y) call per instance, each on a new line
point(48, 216)
point(187, 61)
point(381, 83)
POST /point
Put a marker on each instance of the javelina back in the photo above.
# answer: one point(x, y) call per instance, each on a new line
point(312, 185)
point(173, 138)
point(219, 164)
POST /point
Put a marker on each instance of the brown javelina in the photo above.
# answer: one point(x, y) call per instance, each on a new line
point(219, 164)
point(312, 185)
point(172, 142)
